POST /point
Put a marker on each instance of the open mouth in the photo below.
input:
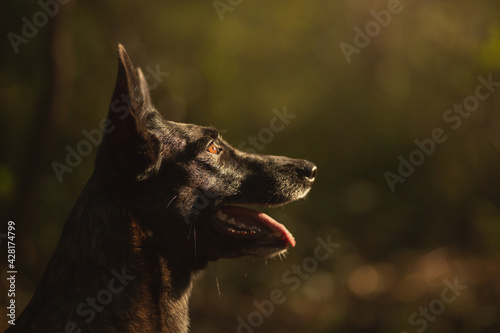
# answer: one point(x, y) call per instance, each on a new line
point(249, 224)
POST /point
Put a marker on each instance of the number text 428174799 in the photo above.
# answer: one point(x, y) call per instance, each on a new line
point(11, 271)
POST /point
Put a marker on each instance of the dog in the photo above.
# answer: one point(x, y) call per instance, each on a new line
point(164, 199)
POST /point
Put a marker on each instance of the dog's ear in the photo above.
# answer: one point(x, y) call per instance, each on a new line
point(131, 148)
point(144, 89)
point(131, 100)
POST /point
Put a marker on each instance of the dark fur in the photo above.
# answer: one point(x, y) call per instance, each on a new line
point(140, 213)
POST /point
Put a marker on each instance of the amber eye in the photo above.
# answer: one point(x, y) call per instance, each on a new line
point(213, 149)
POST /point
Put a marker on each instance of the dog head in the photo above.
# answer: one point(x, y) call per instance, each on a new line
point(183, 186)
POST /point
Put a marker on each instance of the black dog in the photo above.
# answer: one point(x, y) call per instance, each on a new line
point(159, 205)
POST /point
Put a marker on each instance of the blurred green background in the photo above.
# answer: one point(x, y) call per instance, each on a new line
point(398, 250)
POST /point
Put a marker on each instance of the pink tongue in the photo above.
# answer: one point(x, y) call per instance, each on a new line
point(258, 218)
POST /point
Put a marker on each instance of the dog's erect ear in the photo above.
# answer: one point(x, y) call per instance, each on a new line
point(131, 100)
point(144, 89)
point(126, 130)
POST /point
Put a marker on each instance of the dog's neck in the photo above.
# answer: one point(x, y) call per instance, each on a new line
point(165, 287)
point(105, 270)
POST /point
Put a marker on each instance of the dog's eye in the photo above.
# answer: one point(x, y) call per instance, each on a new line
point(213, 149)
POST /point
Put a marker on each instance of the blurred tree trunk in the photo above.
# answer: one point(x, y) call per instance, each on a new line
point(50, 115)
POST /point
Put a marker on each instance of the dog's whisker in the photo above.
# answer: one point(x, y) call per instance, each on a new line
point(194, 234)
point(217, 281)
point(190, 228)
point(172, 200)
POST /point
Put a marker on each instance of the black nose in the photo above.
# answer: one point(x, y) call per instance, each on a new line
point(310, 170)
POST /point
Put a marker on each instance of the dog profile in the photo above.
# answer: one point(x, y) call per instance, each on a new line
point(138, 236)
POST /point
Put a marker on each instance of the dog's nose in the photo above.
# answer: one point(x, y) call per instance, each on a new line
point(310, 170)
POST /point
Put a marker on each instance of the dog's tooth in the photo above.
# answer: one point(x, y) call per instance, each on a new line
point(221, 216)
point(231, 221)
point(241, 225)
